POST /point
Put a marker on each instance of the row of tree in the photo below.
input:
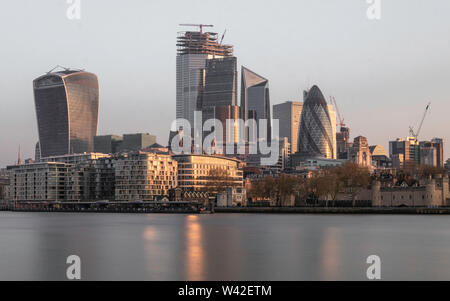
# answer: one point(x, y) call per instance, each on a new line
point(324, 184)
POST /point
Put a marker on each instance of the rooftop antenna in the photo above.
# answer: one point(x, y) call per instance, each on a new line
point(56, 67)
point(64, 68)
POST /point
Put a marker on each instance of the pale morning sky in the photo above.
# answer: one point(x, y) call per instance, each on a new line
point(382, 73)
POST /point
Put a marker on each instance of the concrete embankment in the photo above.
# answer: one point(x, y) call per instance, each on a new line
point(334, 210)
point(283, 210)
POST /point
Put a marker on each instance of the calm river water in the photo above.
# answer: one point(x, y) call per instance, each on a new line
point(34, 246)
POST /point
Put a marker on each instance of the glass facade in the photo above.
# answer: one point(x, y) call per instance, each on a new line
point(255, 99)
point(317, 134)
point(220, 83)
point(288, 113)
point(67, 112)
point(190, 69)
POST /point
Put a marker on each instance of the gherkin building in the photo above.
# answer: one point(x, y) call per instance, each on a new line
point(317, 134)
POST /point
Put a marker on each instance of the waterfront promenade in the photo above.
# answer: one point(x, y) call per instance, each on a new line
point(196, 207)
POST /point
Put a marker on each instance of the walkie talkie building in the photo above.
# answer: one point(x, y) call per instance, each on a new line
point(67, 105)
point(317, 134)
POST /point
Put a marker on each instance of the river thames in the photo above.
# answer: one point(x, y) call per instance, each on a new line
point(35, 246)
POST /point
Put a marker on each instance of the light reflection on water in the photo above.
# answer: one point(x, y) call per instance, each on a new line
point(331, 254)
point(34, 246)
point(194, 257)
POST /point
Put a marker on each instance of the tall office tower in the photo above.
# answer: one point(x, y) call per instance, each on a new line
point(67, 111)
point(343, 143)
point(432, 152)
point(255, 97)
point(220, 83)
point(399, 152)
point(317, 135)
point(414, 150)
point(231, 113)
point(194, 49)
point(428, 154)
point(289, 114)
point(219, 97)
point(438, 144)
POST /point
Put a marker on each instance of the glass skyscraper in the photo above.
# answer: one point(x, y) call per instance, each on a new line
point(67, 105)
point(317, 134)
point(288, 113)
point(255, 102)
point(219, 97)
point(220, 83)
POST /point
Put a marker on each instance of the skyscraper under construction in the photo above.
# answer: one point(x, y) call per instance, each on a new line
point(195, 48)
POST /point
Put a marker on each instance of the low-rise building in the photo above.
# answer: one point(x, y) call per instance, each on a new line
point(142, 176)
point(76, 158)
point(107, 144)
point(318, 163)
point(93, 177)
point(232, 197)
point(4, 185)
point(194, 171)
point(44, 181)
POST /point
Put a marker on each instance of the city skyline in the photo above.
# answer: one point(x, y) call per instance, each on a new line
point(378, 104)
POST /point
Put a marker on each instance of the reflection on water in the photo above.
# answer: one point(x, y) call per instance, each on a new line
point(150, 234)
point(194, 257)
point(330, 254)
point(34, 246)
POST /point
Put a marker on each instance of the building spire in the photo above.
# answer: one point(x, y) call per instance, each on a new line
point(19, 157)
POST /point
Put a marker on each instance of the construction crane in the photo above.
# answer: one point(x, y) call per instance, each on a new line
point(340, 117)
point(415, 134)
point(198, 25)
point(223, 35)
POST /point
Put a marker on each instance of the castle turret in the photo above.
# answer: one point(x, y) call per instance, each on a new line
point(376, 194)
point(445, 191)
point(430, 193)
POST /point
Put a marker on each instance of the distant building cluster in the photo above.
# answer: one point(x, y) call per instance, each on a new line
point(74, 164)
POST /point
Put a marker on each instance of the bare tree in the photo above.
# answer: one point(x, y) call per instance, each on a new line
point(354, 178)
point(219, 180)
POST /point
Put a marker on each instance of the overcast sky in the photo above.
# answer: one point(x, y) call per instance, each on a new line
point(382, 73)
